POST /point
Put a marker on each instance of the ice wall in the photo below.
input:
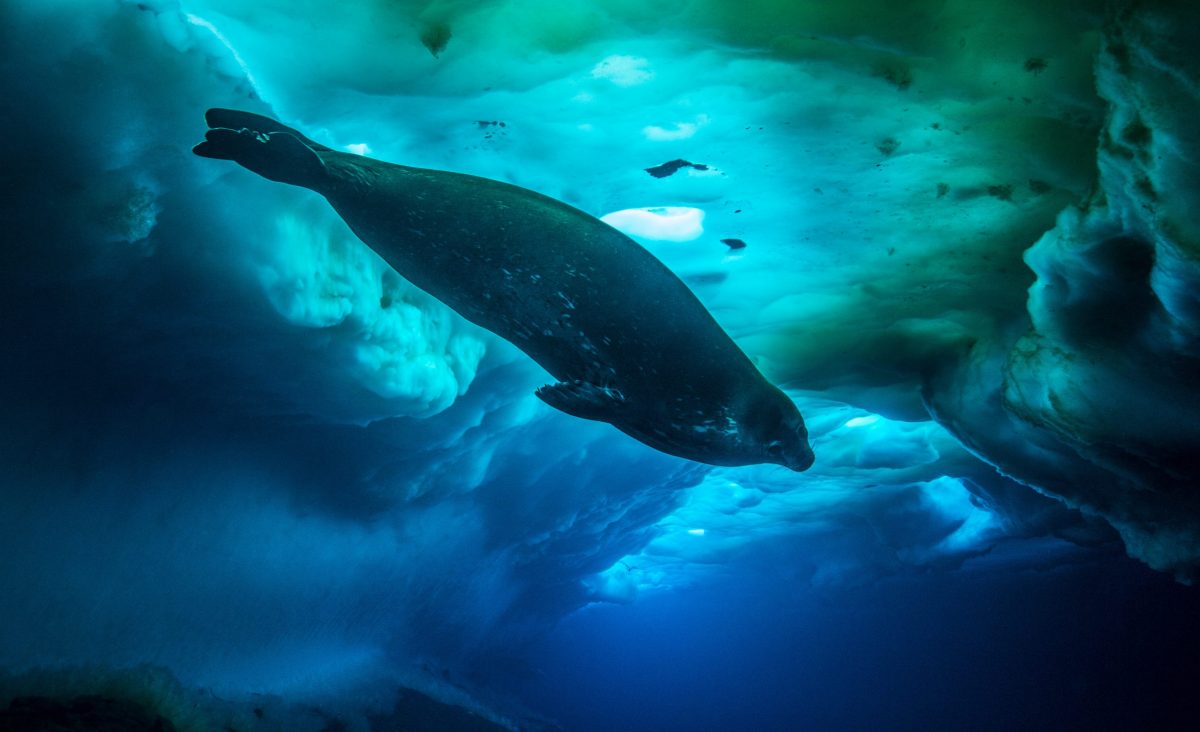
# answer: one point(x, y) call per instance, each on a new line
point(1095, 403)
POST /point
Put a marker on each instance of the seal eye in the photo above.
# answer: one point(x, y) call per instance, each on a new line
point(775, 449)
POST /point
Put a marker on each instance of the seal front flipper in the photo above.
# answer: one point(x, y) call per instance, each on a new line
point(277, 156)
point(584, 400)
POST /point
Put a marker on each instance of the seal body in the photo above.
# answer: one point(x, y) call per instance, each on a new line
point(626, 339)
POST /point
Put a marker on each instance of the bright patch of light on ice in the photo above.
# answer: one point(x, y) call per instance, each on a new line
point(681, 130)
point(623, 70)
point(696, 532)
point(359, 148)
point(668, 223)
point(950, 498)
point(197, 20)
point(866, 421)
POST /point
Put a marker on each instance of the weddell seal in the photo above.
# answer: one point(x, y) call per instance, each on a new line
point(626, 339)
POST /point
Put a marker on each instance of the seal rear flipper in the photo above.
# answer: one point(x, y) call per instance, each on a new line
point(232, 119)
point(277, 156)
point(584, 400)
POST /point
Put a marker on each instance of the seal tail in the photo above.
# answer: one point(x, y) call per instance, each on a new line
point(263, 146)
point(232, 119)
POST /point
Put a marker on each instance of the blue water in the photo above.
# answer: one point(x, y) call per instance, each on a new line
point(1090, 645)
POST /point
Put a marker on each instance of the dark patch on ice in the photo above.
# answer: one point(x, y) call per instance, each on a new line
point(1035, 65)
point(492, 128)
point(1111, 300)
point(151, 700)
point(435, 37)
point(1002, 191)
point(1136, 133)
point(80, 714)
point(1146, 187)
point(734, 243)
point(895, 72)
point(942, 189)
point(1120, 53)
point(672, 167)
point(887, 145)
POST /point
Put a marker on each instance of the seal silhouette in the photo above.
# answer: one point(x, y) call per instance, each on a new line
point(627, 341)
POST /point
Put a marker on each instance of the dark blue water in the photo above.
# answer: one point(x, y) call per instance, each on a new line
point(1097, 643)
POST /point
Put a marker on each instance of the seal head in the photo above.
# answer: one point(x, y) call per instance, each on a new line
point(775, 427)
point(767, 428)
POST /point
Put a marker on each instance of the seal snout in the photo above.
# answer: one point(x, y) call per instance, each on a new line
point(802, 461)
